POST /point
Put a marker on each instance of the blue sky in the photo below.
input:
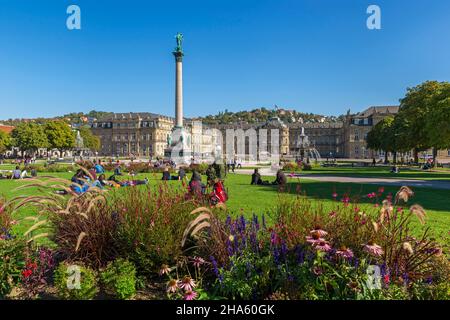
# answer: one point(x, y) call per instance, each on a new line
point(309, 55)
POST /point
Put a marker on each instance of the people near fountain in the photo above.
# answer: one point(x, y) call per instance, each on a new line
point(374, 162)
point(166, 174)
point(280, 179)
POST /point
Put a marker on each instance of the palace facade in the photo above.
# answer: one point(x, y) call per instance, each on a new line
point(147, 134)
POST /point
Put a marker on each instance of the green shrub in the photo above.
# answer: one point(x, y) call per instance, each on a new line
point(75, 282)
point(291, 166)
point(12, 262)
point(119, 279)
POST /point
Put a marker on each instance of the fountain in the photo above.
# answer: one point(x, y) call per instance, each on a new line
point(79, 145)
point(304, 148)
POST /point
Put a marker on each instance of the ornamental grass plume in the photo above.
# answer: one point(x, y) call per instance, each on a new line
point(404, 194)
point(419, 212)
point(407, 248)
point(386, 211)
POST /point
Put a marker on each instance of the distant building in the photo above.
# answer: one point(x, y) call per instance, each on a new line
point(147, 134)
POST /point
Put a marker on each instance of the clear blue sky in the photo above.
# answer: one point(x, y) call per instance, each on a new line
point(310, 55)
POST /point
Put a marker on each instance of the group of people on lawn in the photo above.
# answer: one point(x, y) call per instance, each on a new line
point(280, 179)
point(17, 173)
point(96, 177)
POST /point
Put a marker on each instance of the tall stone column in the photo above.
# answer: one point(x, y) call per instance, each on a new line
point(178, 88)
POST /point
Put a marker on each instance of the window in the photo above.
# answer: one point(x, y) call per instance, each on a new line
point(356, 136)
point(448, 152)
point(356, 150)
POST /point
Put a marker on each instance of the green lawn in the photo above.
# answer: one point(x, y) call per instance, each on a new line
point(382, 172)
point(262, 199)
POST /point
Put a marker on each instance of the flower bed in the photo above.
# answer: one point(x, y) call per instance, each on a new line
point(120, 243)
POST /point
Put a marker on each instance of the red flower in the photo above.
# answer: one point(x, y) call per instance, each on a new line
point(386, 279)
point(26, 273)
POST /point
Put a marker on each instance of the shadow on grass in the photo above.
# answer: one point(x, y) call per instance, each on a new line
point(431, 199)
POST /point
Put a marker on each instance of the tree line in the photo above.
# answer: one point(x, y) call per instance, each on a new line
point(29, 137)
point(422, 123)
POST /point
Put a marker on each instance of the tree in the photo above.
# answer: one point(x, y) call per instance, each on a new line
point(415, 108)
point(90, 141)
point(29, 136)
point(383, 137)
point(5, 141)
point(60, 136)
point(437, 122)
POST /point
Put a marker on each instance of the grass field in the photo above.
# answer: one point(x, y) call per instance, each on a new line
point(383, 172)
point(263, 199)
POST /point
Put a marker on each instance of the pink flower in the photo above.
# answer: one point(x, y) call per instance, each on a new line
point(344, 252)
point(322, 246)
point(318, 229)
point(345, 200)
point(198, 261)
point(334, 195)
point(373, 249)
point(371, 195)
point(314, 237)
point(172, 286)
point(164, 270)
point(317, 271)
point(190, 295)
point(187, 284)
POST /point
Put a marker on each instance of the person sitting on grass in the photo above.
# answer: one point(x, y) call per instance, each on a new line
point(112, 180)
point(166, 174)
point(98, 167)
point(80, 182)
point(181, 174)
point(219, 194)
point(256, 177)
point(395, 169)
point(118, 169)
point(196, 186)
point(16, 174)
point(280, 179)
